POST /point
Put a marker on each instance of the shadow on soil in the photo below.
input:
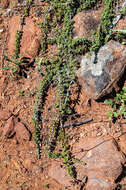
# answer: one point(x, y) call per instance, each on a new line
point(119, 179)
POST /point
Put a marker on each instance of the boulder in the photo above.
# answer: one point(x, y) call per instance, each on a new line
point(100, 72)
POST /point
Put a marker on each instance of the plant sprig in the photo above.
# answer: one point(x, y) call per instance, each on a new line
point(118, 105)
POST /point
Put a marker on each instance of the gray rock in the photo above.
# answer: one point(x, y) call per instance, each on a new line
point(99, 73)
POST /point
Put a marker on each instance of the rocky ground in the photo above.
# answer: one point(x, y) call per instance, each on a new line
point(99, 144)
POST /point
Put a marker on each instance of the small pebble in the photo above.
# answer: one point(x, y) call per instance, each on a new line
point(1, 30)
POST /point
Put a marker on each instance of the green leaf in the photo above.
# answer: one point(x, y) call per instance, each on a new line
point(15, 70)
point(115, 114)
point(123, 43)
point(123, 31)
point(7, 59)
point(108, 102)
point(6, 68)
point(124, 89)
point(39, 65)
point(110, 113)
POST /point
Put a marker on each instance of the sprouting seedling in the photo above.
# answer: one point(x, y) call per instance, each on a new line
point(21, 92)
point(18, 66)
point(118, 105)
point(39, 66)
point(15, 64)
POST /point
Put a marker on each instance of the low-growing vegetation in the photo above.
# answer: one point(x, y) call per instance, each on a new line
point(118, 105)
point(60, 69)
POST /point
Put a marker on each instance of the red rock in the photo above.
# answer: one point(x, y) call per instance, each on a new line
point(98, 156)
point(27, 163)
point(5, 114)
point(8, 129)
point(121, 24)
point(13, 27)
point(85, 22)
point(100, 184)
point(21, 132)
point(30, 39)
point(4, 3)
point(103, 164)
point(59, 174)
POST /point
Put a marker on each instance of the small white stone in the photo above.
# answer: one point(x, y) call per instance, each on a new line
point(81, 134)
point(1, 30)
point(89, 154)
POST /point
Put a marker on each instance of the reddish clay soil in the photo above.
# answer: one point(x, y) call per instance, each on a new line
point(19, 167)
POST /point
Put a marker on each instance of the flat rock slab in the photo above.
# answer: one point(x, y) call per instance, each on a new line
point(100, 184)
point(98, 153)
point(103, 164)
point(99, 73)
point(30, 39)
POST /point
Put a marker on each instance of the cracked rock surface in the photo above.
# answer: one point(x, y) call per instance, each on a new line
point(103, 164)
point(100, 72)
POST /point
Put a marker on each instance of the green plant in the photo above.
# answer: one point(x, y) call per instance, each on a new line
point(118, 105)
point(46, 186)
point(27, 7)
point(40, 97)
point(15, 65)
point(121, 31)
point(57, 29)
point(39, 66)
point(17, 43)
point(86, 4)
point(104, 31)
point(21, 92)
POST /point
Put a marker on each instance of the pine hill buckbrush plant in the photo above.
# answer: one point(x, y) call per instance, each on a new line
point(61, 68)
